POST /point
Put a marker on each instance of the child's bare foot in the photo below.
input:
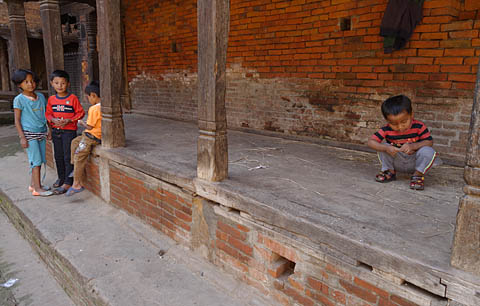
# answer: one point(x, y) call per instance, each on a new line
point(41, 192)
point(31, 189)
point(76, 188)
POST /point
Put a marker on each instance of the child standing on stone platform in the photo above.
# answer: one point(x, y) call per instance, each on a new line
point(408, 143)
point(29, 108)
point(63, 112)
point(84, 144)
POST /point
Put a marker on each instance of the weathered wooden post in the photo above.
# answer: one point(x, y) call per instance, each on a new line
point(466, 245)
point(52, 37)
point(4, 74)
point(18, 30)
point(92, 55)
point(110, 62)
point(212, 150)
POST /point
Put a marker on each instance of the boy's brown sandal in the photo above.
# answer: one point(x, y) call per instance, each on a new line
point(385, 176)
point(417, 182)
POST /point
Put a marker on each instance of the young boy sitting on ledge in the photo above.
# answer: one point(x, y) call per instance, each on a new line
point(84, 144)
point(408, 143)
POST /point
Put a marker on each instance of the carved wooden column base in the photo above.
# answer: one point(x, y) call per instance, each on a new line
point(113, 134)
point(212, 155)
point(466, 244)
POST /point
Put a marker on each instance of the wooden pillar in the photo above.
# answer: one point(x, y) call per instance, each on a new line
point(212, 150)
point(110, 62)
point(88, 48)
point(466, 245)
point(18, 30)
point(92, 54)
point(52, 37)
point(4, 74)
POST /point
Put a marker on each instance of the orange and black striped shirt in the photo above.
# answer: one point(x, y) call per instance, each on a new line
point(416, 133)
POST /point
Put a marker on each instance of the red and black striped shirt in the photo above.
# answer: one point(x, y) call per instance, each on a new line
point(418, 131)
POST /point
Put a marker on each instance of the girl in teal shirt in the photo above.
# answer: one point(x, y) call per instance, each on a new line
point(31, 124)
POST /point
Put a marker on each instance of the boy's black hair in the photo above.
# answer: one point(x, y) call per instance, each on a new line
point(60, 74)
point(21, 74)
point(395, 105)
point(93, 87)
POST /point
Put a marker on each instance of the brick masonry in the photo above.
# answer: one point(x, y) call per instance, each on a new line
point(293, 70)
point(279, 266)
point(163, 206)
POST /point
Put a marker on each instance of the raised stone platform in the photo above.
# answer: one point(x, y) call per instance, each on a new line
point(325, 196)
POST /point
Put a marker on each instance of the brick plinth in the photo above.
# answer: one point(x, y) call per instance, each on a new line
point(281, 267)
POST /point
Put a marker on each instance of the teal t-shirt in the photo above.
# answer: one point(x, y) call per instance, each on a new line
point(33, 112)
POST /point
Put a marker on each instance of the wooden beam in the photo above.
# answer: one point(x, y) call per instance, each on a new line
point(110, 62)
point(52, 37)
point(18, 29)
point(466, 245)
point(212, 150)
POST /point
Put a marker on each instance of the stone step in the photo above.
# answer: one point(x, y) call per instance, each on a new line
point(7, 117)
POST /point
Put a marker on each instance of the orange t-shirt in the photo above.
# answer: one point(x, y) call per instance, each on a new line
point(95, 120)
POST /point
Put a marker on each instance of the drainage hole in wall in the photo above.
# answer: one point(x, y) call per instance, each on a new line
point(282, 267)
point(345, 24)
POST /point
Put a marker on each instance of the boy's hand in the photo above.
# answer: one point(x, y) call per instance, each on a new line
point(49, 135)
point(64, 122)
point(24, 142)
point(391, 150)
point(56, 121)
point(82, 123)
point(407, 148)
point(59, 122)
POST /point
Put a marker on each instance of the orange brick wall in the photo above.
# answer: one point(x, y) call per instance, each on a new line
point(92, 178)
point(292, 70)
point(262, 262)
point(169, 212)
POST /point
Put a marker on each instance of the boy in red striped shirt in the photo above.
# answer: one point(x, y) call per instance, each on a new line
point(63, 112)
point(407, 146)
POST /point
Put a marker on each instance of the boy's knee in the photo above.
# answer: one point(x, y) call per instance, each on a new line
point(426, 151)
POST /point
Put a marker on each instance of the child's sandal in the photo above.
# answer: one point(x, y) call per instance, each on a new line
point(385, 176)
point(417, 182)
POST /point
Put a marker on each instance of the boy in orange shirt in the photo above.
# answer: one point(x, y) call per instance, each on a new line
point(84, 144)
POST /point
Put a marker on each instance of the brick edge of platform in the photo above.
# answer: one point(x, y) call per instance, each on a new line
point(276, 262)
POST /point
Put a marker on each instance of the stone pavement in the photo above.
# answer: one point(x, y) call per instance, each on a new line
point(102, 256)
point(35, 285)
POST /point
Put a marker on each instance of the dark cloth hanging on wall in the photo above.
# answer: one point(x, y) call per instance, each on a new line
point(400, 19)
